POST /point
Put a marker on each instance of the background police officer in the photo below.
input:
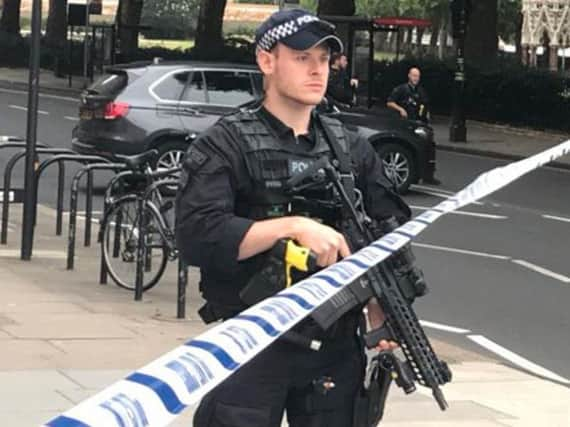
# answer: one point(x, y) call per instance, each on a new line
point(232, 209)
point(341, 87)
point(410, 99)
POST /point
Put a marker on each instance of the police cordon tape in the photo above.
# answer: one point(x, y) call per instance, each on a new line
point(157, 393)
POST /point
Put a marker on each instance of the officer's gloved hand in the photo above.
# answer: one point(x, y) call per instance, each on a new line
point(328, 244)
point(376, 319)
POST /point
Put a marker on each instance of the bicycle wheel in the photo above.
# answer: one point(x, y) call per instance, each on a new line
point(120, 242)
point(165, 205)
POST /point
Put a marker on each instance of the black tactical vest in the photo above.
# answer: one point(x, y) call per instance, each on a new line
point(271, 162)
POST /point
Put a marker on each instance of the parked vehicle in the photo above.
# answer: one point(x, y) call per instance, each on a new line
point(165, 105)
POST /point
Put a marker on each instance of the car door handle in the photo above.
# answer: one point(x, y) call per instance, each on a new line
point(190, 110)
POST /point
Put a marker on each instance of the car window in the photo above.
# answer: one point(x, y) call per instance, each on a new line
point(257, 83)
point(170, 89)
point(195, 91)
point(231, 88)
point(110, 84)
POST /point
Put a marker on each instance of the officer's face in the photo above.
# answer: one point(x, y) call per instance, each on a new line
point(300, 76)
point(414, 76)
point(343, 61)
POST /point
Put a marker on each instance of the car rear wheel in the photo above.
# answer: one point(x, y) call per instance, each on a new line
point(171, 155)
point(399, 165)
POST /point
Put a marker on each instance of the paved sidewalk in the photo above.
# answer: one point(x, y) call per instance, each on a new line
point(500, 141)
point(64, 337)
point(17, 79)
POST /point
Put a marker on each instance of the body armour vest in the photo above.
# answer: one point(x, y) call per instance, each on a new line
point(271, 162)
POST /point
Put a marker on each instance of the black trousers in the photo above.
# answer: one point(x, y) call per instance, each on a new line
point(285, 377)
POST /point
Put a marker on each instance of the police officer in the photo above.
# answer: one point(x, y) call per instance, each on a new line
point(410, 99)
point(232, 209)
point(341, 87)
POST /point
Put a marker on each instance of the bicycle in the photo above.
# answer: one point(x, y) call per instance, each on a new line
point(137, 228)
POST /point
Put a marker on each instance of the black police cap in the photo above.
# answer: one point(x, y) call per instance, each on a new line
point(297, 29)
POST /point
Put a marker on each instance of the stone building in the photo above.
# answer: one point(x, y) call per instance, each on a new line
point(545, 23)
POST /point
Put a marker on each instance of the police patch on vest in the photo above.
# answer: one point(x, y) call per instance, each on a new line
point(196, 157)
point(297, 166)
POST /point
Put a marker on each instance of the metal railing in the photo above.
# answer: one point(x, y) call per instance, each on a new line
point(61, 159)
point(8, 185)
point(88, 209)
point(91, 164)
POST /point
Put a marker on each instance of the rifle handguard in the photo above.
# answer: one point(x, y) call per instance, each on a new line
point(410, 277)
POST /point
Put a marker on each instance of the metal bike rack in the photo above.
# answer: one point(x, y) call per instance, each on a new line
point(10, 142)
point(60, 159)
point(182, 285)
point(88, 211)
point(11, 138)
point(182, 277)
point(139, 273)
point(140, 264)
point(140, 261)
point(117, 180)
point(8, 181)
point(16, 142)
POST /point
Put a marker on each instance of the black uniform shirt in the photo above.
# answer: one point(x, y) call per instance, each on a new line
point(209, 232)
point(411, 98)
point(338, 87)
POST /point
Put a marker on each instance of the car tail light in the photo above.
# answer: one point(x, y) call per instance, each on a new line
point(115, 110)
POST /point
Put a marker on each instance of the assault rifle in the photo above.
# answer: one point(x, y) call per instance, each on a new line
point(394, 282)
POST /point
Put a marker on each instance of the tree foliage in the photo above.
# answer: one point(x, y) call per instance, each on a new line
point(10, 20)
point(508, 20)
point(209, 37)
point(56, 30)
point(129, 18)
point(413, 8)
point(336, 7)
point(170, 19)
point(311, 5)
point(481, 43)
point(488, 19)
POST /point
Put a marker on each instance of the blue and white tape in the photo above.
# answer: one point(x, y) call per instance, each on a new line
point(158, 392)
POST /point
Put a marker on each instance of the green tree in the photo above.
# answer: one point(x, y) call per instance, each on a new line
point(336, 7)
point(129, 18)
point(170, 19)
point(10, 20)
point(509, 20)
point(209, 37)
point(481, 43)
point(415, 8)
point(437, 11)
point(311, 5)
point(377, 7)
point(56, 30)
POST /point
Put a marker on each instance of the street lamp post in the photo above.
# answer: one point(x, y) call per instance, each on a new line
point(86, 43)
point(31, 133)
point(459, 15)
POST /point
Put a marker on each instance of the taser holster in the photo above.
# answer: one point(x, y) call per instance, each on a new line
point(277, 272)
